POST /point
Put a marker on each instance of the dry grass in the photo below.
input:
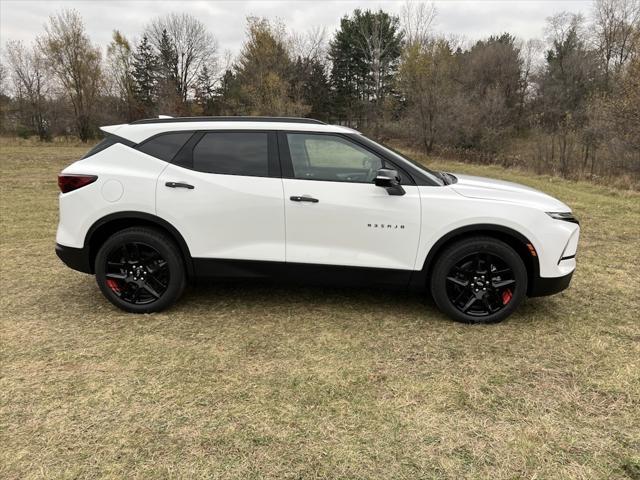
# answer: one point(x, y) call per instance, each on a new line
point(246, 382)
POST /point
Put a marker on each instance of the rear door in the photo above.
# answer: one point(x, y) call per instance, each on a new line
point(335, 215)
point(223, 192)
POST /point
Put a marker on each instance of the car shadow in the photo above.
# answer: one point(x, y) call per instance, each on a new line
point(266, 294)
point(268, 297)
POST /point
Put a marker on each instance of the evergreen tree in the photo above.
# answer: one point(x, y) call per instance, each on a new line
point(167, 60)
point(310, 86)
point(365, 54)
point(264, 72)
point(347, 72)
point(205, 91)
point(227, 94)
point(144, 74)
point(168, 90)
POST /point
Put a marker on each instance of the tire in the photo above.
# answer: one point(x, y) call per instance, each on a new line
point(479, 280)
point(140, 270)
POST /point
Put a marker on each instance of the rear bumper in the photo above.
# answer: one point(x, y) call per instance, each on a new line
point(76, 258)
point(542, 286)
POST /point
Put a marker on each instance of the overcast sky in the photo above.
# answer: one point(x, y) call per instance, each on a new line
point(24, 19)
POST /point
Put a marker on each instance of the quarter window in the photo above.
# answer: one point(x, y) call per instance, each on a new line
point(103, 145)
point(331, 157)
point(166, 146)
point(233, 153)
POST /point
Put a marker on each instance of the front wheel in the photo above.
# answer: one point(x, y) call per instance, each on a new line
point(479, 280)
point(140, 270)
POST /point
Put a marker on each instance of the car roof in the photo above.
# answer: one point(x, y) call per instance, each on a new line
point(141, 130)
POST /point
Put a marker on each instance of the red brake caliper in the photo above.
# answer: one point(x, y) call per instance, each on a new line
point(113, 285)
point(506, 296)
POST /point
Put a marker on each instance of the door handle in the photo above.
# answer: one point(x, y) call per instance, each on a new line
point(304, 198)
point(179, 185)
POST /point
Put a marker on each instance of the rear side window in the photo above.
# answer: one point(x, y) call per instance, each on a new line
point(233, 153)
point(165, 146)
point(104, 144)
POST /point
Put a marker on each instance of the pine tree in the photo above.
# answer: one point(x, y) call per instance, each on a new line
point(167, 61)
point(205, 91)
point(168, 90)
point(346, 72)
point(227, 94)
point(365, 54)
point(317, 91)
point(310, 86)
point(144, 75)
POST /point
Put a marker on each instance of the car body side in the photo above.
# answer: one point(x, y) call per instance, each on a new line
point(128, 178)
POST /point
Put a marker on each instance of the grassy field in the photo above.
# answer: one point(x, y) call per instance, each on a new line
point(246, 382)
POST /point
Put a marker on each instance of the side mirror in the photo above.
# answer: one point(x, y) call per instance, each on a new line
point(389, 180)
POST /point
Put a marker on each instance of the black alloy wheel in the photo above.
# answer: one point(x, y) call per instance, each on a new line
point(140, 270)
point(480, 284)
point(137, 273)
point(479, 280)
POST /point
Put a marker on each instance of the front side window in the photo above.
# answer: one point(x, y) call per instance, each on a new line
point(332, 158)
point(233, 153)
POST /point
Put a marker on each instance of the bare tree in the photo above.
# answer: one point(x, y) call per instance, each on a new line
point(617, 26)
point(561, 25)
point(3, 79)
point(426, 81)
point(417, 19)
point(29, 75)
point(194, 45)
point(310, 45)
point(76, 65)
point(531, 58)
point(119, 64)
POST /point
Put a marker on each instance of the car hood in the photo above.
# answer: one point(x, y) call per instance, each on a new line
point(489, 189)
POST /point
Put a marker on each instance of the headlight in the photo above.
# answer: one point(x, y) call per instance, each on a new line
point(566, 216)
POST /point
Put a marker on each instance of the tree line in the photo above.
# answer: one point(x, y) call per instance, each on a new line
point(568, 104)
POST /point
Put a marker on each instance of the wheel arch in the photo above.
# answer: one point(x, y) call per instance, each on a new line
point(110, 224)
point(511, 237)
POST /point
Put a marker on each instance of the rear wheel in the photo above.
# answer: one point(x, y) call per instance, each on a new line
point(140, 270)
point(479, 280)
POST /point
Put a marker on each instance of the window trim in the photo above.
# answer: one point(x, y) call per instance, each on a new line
point(287, 163)
point(169, 132)
point(108, 136)
point(184, 157)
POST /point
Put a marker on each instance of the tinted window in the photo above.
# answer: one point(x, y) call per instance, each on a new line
point(233, 153)
point(165, 146)
point(105, 143)
point(329, 157)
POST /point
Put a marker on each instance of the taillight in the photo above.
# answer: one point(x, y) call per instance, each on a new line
point(69, 182)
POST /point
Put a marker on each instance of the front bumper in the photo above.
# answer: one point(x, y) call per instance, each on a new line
point(75, 258)
point(542, 286)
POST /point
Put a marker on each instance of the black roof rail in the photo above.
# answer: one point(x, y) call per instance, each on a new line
point(228, 119)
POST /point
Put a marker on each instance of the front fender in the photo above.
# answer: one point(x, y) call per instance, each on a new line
point(446, 214)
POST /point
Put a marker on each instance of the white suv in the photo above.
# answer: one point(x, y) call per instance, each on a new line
point(162, 201)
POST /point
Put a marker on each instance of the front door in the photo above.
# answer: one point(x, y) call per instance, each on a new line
point(334, 213)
